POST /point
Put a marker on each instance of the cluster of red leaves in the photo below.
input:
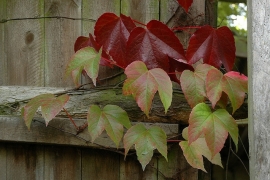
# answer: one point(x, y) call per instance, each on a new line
point(157, 46)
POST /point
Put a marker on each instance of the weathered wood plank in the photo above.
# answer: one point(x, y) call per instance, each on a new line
point(3, 161)
point(141, 10)
point(176, 167)
point(60, 36)
point(3, 57)
point(62, 163)
point(100, 164)
point(259, 98)
point(94, 9)
point(151, 170)
point(179, 18)
point(130, 168)
point(24, 161)
point(79, 103)
point(24, 43)
point(61, 132)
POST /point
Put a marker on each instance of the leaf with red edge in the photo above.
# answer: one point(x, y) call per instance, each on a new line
point(193, 153)
point(85, 59)
point(185, 4)
point(83, 42)
point(193, 84)
point(50, 107)
point(214, 86)
point(112, 33)
point(235, 85)
point(154, 45)
point(215, 46)
point(145, 140)
point(214, 125)
point(143, 84)
point(112, 118)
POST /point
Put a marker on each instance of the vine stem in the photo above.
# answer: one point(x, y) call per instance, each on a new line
point(184, 28)
point(71, 119)
point(138, 22)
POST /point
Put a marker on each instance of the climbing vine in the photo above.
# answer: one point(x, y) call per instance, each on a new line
point(152, 57)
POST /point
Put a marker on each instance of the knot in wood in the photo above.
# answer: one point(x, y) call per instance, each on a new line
point(29, 37)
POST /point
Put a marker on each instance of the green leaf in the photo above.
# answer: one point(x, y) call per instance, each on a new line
point(215, 127)
point(235, 85)
point(50, 107)
point(86, 58)
point(214, 86)
point(193, 153)
point(145, 140)
point(112, 118)
point(142, 84)
point(193, 84)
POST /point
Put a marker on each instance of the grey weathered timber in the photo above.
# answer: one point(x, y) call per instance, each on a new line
point(24, 44)
point(62, 132)
point(259, 88)
point(60, 35)
point(3, 61)
point(14, 98)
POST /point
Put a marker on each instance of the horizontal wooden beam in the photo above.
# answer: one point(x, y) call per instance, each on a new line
point(61, 132)
point(14, 98)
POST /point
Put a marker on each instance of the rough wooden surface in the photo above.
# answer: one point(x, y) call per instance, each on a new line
point(258, 73)
point(60, 35)
point(13, 98)
point(24, 43)
point(3, 61)
point(61, 132)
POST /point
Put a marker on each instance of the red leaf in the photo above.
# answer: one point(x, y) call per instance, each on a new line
point(154, 45)
point(82, 42)
point(214, 46)
point(112, 33)
point(185, 4)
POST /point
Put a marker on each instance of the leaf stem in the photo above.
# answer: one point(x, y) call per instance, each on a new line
point(138, 22)
point(185, 28)
point(71, 119)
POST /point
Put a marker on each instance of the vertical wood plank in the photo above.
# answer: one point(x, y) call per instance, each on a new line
point(24, 43)
point(178, 17)
point(62, 163)
point(24, 161)
point(176, 167)
point(3, 161)
point(60, 36)
point(3, 58)
point(259, 98)
point(141, 10)
point(130, 168)
point(151, 170)
point(100, 164)
point(93, 9)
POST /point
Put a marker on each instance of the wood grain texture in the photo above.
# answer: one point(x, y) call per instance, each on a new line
point(94, 9)
point(24, 43)
point(259, 98)
point(62, 163)
point(60, 35)
point(24, 161)
point(100, 164)
point(3, 57)
point(15, 97)
point(130, 168)
point(3, 161)
point(176, 167)
point(61, 132)
point(177, 17)
point(141, 10)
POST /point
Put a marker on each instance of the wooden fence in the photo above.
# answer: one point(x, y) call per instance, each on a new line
point(37, 38)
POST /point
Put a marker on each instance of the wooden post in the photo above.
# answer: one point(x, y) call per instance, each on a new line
point(259, 87)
